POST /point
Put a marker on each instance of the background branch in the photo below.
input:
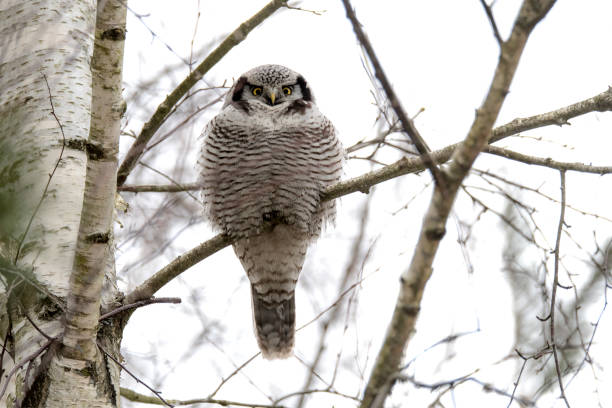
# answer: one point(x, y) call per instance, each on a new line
point(547, 162)
point(137, 397)
point(555, 285)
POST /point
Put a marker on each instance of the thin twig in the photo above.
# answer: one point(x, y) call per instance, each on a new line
point(518, 379)
point(138, 304)
point(349, 272)
point(137, 397)
point(44, 194)
point(336, 302)
point(38, 329)
point(407, 124)
point(491, 18)
point(236, 371)
point(451, 384)
point(9, 330)
point(138, 380)
point(553, 296)
point(154, 35)
point(24, 361)
point(325, 391)
point(547, 162)
point(170, 179)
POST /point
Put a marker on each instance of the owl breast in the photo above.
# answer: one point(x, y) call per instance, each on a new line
point(264, 164)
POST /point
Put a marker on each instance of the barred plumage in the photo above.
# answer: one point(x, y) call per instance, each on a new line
point(265, 160)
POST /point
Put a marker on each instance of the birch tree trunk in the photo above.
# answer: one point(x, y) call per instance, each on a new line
point(60, 107)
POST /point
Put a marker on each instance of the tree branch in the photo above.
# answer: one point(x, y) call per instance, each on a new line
point(161, 114)
point(414, 279)
point(137, 397)
point(160, 188)
point(176, 267)
point(92, 256)
point(489, 12)
point(158, 398)
point(138, 304)
point(548, 162)
point(555, 284)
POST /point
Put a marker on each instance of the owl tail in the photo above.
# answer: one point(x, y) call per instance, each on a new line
point(274, 318)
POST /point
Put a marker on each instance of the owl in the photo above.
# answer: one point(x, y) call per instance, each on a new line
point(265, 159)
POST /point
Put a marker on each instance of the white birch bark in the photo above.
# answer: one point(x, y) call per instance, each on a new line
point(54, 39)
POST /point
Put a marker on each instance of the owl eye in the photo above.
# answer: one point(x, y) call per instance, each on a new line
point(257, 91)
point(287, 90)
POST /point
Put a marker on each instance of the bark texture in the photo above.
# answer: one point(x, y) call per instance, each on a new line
point(56, 254)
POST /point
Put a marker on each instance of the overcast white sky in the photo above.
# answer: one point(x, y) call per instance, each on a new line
point(440, 56)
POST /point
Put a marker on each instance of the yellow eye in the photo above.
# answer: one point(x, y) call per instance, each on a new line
point(287, 90)
point(257, 91)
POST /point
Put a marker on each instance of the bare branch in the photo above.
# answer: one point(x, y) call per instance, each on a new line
point(518, 379)
point(489, 12)
point(23, 362)
point(598, 103)
point(176, 267)
point(233, 373)
point(349, 272)
point(138, 304)
point(407, 124)
point(158, 398)
point(161, 114)
point(454, 382)
point(96, 217)
point(160, 188)
point(548, 162)
point(170, 179)
point(325, 391)
point(137, 397)
point(553, 297)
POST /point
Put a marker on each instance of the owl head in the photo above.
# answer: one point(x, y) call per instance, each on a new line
point(271, 85)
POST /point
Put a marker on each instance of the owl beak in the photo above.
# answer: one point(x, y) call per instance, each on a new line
point(272, 97)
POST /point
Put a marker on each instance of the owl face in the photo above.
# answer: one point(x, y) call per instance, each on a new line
point(270, 85)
